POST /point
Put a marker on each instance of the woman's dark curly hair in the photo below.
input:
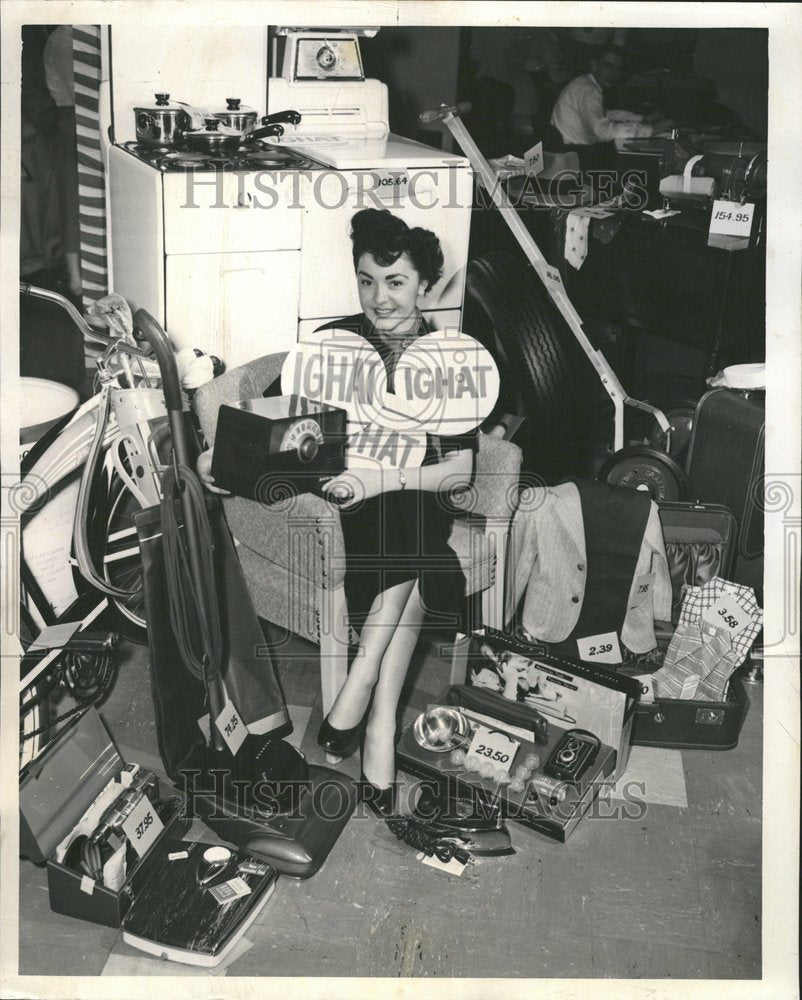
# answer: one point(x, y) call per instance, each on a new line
point(385, 237)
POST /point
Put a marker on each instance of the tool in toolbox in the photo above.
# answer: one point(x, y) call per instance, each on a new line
point(248, 784)
point(450, 115)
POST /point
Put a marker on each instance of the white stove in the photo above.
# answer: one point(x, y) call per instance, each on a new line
point(240, 260)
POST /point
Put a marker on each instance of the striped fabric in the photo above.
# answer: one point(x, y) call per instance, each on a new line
point(91, 179)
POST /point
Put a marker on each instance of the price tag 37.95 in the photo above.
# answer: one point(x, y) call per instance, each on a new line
point(143, 826)
point(231, 728)
point(731, 218)
point(490, 746)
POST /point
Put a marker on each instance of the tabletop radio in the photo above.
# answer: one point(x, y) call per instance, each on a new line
point(268, 448)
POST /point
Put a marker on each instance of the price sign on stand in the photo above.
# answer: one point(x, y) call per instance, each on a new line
point(731, 218)
point(231, 728)
point(488, 745)
point(533, 159)
point(143, 826)
point(728, 614)
point(600, 648)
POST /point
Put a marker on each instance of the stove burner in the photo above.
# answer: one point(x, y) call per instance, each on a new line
point(254, 156)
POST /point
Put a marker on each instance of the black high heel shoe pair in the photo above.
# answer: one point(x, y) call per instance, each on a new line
point(343, 743)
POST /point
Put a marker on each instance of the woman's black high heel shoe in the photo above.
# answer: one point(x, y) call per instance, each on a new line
point(340, 742)
point(380, 801)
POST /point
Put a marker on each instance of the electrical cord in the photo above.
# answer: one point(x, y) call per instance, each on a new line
point(193, 603)
point(418, 835)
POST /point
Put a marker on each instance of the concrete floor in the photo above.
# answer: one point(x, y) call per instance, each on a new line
point(674, 893)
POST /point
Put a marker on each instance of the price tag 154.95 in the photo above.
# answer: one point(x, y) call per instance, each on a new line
point(489, 745)
point(603, 648)
point(232, 728)
point(143, 826)
point(730, 218)
point(728, 614)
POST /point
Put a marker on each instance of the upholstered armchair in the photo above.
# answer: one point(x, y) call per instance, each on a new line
point(292, 552)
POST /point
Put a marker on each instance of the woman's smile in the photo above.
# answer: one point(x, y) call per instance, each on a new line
point(389, 295)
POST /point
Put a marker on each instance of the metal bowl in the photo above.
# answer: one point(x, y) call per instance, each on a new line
point(441, 729)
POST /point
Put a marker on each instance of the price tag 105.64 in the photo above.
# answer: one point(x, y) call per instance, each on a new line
point(231, 728)
point(489, 745)
point(730, 218)
point(728, 614)
point(603, 648)
point(143, 826)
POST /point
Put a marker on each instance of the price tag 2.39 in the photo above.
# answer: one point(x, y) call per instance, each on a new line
point(728, 614)
point(489, 745)
point(604, 648)
point(143, 826)
point(231, 728)
point(731, 218)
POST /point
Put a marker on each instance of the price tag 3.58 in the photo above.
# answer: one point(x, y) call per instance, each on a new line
point(603, 648)
point(730, 218)
point(231, 728)
point(728, 614)
point(489, 745)
point(143, 826)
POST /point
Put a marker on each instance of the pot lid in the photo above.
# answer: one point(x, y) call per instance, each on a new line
point(162, 103)
point(213, 126)
point(234, 106)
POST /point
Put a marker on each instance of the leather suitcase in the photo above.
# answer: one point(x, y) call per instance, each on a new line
point(691, 724)
point(725, 465)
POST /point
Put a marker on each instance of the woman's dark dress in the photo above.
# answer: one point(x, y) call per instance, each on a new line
point(402, 535)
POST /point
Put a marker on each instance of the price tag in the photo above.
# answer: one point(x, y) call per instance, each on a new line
point(232, 728)
point(728, 614)
point(600, 648)
point(489, 745)
point(642, 588)
point(552, 278)
point(730, 218)
point(533, 159)
point(143, 826)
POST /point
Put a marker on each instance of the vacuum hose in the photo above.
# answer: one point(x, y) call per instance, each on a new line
point(193, 602)
point(82, 554)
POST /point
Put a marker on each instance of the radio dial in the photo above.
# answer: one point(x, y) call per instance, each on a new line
point(304, 438)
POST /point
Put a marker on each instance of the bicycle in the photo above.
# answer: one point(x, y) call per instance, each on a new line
point(79, 488)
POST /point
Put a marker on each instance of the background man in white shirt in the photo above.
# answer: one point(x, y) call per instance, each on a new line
point(582, 120)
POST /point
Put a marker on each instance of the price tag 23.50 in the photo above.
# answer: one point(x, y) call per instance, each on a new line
point(489, 745)
point(728, 614)
point(731, 218)
point(231, 728)
point(143, 826)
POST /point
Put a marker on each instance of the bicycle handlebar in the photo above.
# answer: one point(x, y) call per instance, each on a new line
point(88, 331)
point(165, 357)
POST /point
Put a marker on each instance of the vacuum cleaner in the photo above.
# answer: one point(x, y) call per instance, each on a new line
point(220, 712)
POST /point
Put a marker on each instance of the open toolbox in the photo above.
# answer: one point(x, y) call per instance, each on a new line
point(550, 764)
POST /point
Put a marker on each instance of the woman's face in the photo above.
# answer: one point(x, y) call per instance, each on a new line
point(389, 295)
point(486, 678)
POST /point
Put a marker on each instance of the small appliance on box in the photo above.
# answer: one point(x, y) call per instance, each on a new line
point(545, 757)
point(96, 821)
point(266, 449)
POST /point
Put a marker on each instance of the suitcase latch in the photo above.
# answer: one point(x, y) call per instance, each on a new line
point(709, 716)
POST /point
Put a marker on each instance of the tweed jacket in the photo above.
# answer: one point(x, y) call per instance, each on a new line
point(547, 563)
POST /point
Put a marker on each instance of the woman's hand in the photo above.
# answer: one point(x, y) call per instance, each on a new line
point(351, 488)
point(204, 469)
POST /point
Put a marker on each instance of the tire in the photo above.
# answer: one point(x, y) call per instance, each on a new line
point(508, 310)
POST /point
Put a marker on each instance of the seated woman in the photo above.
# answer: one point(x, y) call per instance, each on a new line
point(399, 564)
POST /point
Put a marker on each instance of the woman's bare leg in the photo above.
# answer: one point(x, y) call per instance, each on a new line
point(378, 755)
point(377, 634)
